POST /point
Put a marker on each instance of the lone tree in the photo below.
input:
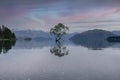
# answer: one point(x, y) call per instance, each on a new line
point(58, 31)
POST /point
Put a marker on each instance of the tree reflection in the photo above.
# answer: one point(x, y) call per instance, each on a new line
point(59, 50)
point(6, 45)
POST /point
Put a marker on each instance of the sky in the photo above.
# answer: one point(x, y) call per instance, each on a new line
point(78, 15)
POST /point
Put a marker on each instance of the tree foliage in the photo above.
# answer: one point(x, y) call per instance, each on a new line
point(6, 34)
point(58, 31)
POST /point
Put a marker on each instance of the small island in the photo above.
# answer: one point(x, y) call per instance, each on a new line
point(113, 39)
point(6, 34)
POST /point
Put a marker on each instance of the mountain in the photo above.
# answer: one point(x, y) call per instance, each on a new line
point(93, 39)
point(116, 32)
point(34, 35)
point(39, 35)
point(30, 33)
point(38, 39)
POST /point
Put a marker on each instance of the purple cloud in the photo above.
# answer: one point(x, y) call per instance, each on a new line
point(50, 12)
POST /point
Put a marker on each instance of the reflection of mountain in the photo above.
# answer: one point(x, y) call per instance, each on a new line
point(93, 39)
point(24, 44)
point(5, 46)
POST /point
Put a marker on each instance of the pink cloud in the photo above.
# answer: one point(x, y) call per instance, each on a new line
point(111, 12)
point(12, 13)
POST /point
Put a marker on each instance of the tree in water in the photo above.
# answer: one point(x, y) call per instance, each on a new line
point(58, 49)
point(58, 31)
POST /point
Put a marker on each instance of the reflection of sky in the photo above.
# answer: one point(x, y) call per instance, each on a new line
point(81, 63)
point(44, 14)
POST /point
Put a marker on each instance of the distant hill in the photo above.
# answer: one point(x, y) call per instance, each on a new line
point(39, 35)
point(94, 39)
point(116, 32)
point(34, 35)
point(38, 39)
point(30, 33)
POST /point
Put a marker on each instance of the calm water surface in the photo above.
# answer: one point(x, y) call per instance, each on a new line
point(37, 62)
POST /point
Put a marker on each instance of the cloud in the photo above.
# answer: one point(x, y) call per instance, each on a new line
point(50, 12)
point(15, 8)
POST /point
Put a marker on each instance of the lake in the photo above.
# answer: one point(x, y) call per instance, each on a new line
point(30, 60)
